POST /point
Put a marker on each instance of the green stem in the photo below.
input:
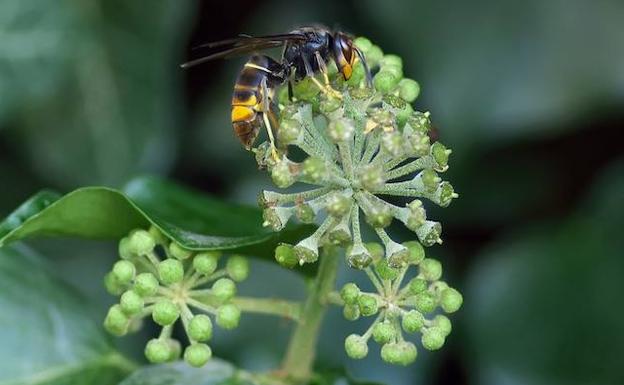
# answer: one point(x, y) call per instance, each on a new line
point(302, 346)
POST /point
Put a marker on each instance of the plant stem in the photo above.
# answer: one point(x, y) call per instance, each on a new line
point(302, 346)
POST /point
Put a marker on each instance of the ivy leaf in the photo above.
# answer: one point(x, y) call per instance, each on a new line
point(179, 373)
point(194, 220)
point(47, 335)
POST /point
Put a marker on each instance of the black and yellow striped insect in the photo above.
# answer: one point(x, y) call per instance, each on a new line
point(307, 51)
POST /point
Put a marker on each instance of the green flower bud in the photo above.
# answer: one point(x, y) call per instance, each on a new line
point(197, 354)
point(443, 324)
point(285, 256)
point(424, 302)
point(178, 252)
point(356, 346)
point(170, 271)
point(116, 321)
point(174, 349)
point(391, 60)
point(329, 105)
point(417, 285)
point(368, 305)
point(200, 328)
point(394, 70)
point(238, 268)
point(282, 175)
point(431, 269)
point(165, 312)
point(363, 44)
point(124, 249)
point(371, 177)
point(206, 262)
point(314, 170)
point(433, 338)
point(399, 353)
point(305, 89)
point(385, 81)
point(357, 75)
point(350, 293)
point(228, 316)
point(379, 216)
point(131, 303)
point(416, 216)
point(141, 242)
point(305, 213)
point(440, 154)
point(412, 321)
point(416, 252)
point(123, 271)
point(384, 332)
point(374, 56)
point(429, 233)
point(358, 256)
point(409, 90)
point(392, 143)
point(224, 289)
point(112, 284)
point(451, 300)
point(376, 250)
point(145, 284)
point(384, 270)
point(351, 312)
point(157, 351)
point(289, 132)
point(341, 130)
point(157, 235)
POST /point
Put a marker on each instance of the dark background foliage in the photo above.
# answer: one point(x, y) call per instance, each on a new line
point(529, 95)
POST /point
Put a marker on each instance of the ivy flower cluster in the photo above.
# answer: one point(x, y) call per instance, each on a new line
point(158, 278)
point(400, 307)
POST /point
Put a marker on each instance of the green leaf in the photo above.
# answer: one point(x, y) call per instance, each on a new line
point(47, 334)
point(196, 221)
point(179, 373)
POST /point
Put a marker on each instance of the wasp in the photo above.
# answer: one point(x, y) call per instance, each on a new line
point(306, 53)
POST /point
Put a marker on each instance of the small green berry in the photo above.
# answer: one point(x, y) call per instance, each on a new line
point(351, 312)
point(384, 332)
point(416, 252)
point(425, 302)
point(238, 268)
point(112, 285)
point(165, 312)
point(412, 321)
point(157, 235)
point(145, 284)
point(200, 328)
point(175, 349)
point(391, 60)
point(116, 321)
point(363, 44)
point(124, 249)
point(228, 316)
point(170, 271)
point(206, 262)
point(131, 303)
point(197, 354)
point(384, 270)
point(356, 346)
point(451, 300)
point(409, 90)
point(158, 351)
point(350, 293)
point(431, 269)
point(417, 285)
point(124, 271)
point(224, 289)
point(376, 250)
point(443, 324)
point(374, 56)
point(399, 353)
point(178, 252)
point(368, 305)
point(433, 338)
point(141, 242)
point(285, 256)
point(385, 81)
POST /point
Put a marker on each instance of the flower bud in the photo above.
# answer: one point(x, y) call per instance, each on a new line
point(305, 213)
point(399, 353)
point(145, 284)
point(131, 303)
point(124, 249)
point(228, 316)
point(440, 154)
point(363, 44)
point(429, 233)
point(174, 349)
point(170, 271)
point(329, 105)
point(384, 270)
point(338, 205)
point(157, 351)
point(282, 175)
point(374, 56)
point(384, 332)
point(124, 271)
point(431, 269)
point(224, 289)
point(165, 312)
point(368, 305)
point(424, 302)
point(314, 170)
point(385, 81)
point(416, 252)
point(237, 268)
point(351, 312)
point(451, 300)
point(395, 70)
point(197, 355)
point(409, 90)
point(178, 252)
point(379, 216)
point(412, 321)
point(341, 130)
point(376, 250)
point(116, 321)
point(350, 293)
point(305, 89)
point(290, 132)
point(358, 256)
point(141, 242)
point(285, 256)
point(433, 338)
point(157, 235)
point(416, 216)
point(370, 177)
point(391, 60)
point(417, 285)
point(200, 328)
point(392, 143)
point(356, 346)
point(112, 284)
point(206, 262)
point(443, 324)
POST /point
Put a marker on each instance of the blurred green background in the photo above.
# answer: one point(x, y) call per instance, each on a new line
point(529, 95)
